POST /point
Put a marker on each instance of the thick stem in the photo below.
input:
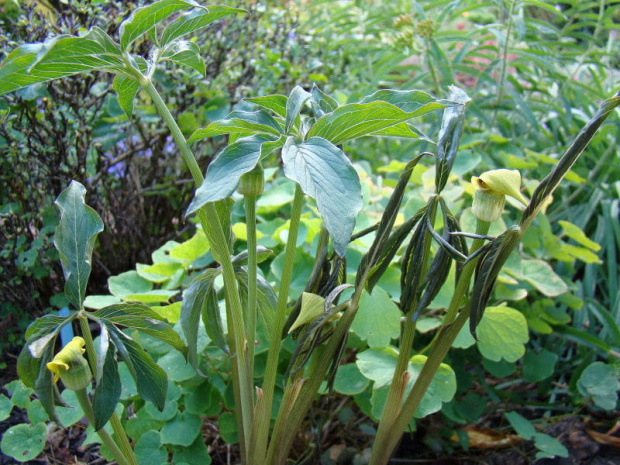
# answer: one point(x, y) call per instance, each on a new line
point(209, 219)
point(250, 221)
point(262, 416)
point(84, 401)
point(119, 431)
point(388, 437)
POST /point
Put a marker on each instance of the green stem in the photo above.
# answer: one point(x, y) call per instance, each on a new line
point(119, 431)
point(209, 219)
point(250, 221)
point(389, 436)
point(462, 286)
point(262, 416)
point(84, 401)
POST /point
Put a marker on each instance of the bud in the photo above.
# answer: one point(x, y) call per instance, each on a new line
point(492, 188)
point(252, 182)
point(70, 365)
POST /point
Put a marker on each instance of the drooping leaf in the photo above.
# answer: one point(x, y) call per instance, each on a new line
point(107, 392)
point(151, 380)
point(47, 324)
point(59, 57)
point(226, 169)
point(185, 53)
point(147, 17)
point(75, 237)
point(126, 90)
point(325, 173)
point(142, 318)
point(195, 19)
point(294, 104)
point(450, 136)
point(266, 298)
point(241, 123)
point(195, 298)
point(44, 386)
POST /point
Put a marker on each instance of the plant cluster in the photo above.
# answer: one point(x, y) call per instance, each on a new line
point(307, 273)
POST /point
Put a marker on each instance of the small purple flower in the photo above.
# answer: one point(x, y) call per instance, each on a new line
point(291, 35)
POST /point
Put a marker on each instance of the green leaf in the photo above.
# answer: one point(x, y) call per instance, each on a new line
point(75, 237)
point(574, 232)
point(600, 382)
point(182, 431)
point(378, 319)
point(27, 367)
point(160, 272)
point(521, 425)
point(24, 442)
point(225, 171)
point(185, 53)
point(266, 298)
point(312, 306)
point(378, 364)
point(241, 123)
point(295, 102)
point(43, 385)
point(200, 294)
point(195, 454)
point(373, 114)
point(72, 412)
point(150, 379)
point(148, 449)
point(502, 334)
point(191, 249)
point(322, 102)
point(540, 275)
point(276, 103)
point(107, 392)
point(126, 90)
point(6, 406)
point(175, 366)
point(195, 19)
point(57, 58)
point(128, 283)
point(349, 380)
point(147, 17)
point(325, 173)
point(549, 447)
point(142, 318)
point(539, 366)
point(228, 428)
point(36, 412)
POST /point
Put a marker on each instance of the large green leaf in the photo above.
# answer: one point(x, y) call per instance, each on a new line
point(265, 297)
point(107, 392)
point(24, 442)
point(126, 90)
point(57, 58)
point(140, 317)
point(151, 380)
point(195, 19)
point(362, 119)
point(74, 239)
point(185, 53)
point(241, 123)
point(226, 169)
point(325, 173)
point(147, 17)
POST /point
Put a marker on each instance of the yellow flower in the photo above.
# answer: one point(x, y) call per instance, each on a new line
point(492, 188)
point(70, 365)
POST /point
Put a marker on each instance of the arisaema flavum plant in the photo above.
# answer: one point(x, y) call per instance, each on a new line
point(304, 134)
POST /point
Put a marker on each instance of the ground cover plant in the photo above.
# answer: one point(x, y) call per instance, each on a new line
point(311, 291)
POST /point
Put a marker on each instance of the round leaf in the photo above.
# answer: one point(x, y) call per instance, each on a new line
point(502, 334)
point(24, 442)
